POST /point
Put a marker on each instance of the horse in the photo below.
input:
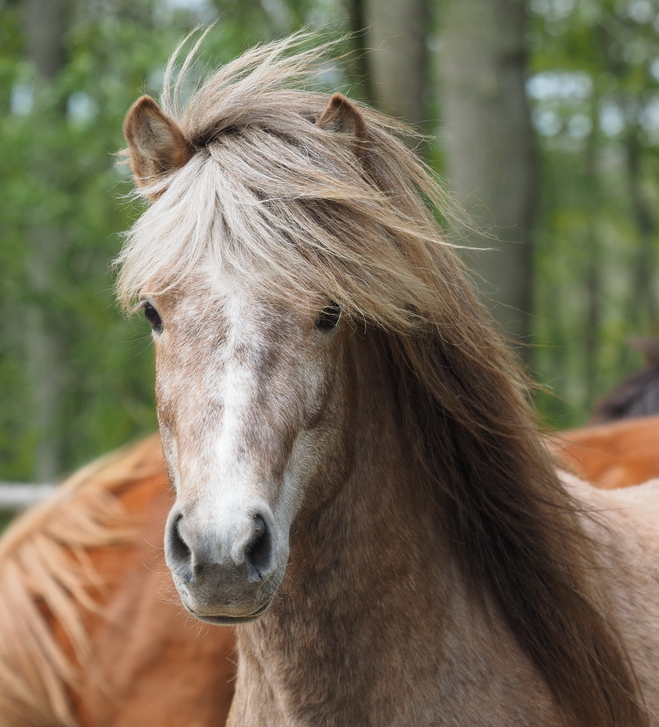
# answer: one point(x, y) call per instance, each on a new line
point(617, 454)
point(89, 634)
point(636, 396)
point(361, 489)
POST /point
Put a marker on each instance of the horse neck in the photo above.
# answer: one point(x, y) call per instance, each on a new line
point(380, 520)
point(370, 561)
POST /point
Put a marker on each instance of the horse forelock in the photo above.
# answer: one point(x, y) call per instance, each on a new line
point(289, 208)
point(286, 205)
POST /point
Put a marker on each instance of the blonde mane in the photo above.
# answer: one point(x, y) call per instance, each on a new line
point(286, 204)
point(49, 588)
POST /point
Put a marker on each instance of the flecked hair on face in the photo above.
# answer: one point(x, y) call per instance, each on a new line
point(300, 211)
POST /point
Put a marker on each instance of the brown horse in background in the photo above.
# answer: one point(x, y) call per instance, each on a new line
point(613, 455)
point(637, 395)
point(89, 633)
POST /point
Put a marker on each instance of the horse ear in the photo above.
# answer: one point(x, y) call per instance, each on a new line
point(343, 117)
point(155, 141)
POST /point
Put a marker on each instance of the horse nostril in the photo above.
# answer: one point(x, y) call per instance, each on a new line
point(179, 555)
point(258, 553)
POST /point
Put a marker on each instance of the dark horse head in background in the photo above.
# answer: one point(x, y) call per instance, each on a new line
point(636, 396)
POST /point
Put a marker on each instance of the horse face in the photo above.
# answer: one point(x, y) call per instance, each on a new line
point(250, 400)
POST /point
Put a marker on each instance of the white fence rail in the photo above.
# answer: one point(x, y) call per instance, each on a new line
point(18, 495)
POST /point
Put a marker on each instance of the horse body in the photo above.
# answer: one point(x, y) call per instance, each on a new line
point(360, 486)
point(390, 651)
point(374, 597)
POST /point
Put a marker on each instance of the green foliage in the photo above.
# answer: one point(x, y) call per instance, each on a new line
point(5, 519)
point(594, 89)
point(58, 144)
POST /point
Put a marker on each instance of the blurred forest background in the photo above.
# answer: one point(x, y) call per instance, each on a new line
point(542, 117)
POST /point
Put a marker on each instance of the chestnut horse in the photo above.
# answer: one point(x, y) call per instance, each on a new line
point(88, 635)
point(360, 485)
point(618, 454)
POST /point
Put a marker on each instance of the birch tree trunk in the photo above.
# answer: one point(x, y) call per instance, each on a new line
point(397, 60)
point(489, 145)
point(45, 24)
point(643, 304)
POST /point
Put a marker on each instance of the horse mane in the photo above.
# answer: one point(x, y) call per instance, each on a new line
point(49, 587)
point(289, 209)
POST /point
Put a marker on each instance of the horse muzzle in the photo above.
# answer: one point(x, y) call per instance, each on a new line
point(224, 580)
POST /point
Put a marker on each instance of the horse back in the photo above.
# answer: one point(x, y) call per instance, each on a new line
point(613, 455)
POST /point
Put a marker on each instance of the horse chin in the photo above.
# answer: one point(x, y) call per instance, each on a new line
point(221, 620)
point(215, 611)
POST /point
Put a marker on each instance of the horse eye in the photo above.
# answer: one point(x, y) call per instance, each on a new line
point(329, 317)
point(152, 315)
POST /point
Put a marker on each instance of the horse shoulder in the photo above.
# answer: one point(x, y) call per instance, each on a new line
point(624, 525)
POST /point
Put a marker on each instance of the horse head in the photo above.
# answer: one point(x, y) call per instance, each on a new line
point(251, 396)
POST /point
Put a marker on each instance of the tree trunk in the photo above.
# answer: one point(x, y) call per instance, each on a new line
point(357, 62)
point(45, 25)
point(643, 305)
point(490, 150)
point(397, 61)
point(591, 332)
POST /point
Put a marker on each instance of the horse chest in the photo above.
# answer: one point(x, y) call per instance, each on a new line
point(290, 676)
